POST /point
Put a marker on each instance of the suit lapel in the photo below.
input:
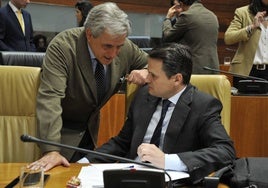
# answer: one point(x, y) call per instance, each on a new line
point(178, 119)
point(15, 19)
point(115, 75)
point(146, 113)
point(85, 64)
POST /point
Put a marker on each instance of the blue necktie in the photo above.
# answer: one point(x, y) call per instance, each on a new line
point(157, 132)
point(100, 81)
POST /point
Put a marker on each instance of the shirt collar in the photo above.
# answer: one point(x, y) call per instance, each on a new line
point(174, 99)
point(92, 56)
point(15, 9)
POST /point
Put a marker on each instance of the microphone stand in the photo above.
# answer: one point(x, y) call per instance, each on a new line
point(28, 138)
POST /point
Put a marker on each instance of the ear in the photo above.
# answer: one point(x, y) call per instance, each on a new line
point(178, 79)
point(88, 34)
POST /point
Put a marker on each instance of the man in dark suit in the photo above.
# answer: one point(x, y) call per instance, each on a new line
point(192, 137)
point(16, 30)
point(70, 96)
point(196, 27)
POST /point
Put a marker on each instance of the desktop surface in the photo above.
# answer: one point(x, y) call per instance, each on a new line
point(58, 175)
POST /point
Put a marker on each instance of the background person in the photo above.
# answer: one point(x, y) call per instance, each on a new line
point(81, 11)
point(192, 137)
point(249, 29)
point(13, 35)
point(40, 42)
point(194, 24)
point(68, 100)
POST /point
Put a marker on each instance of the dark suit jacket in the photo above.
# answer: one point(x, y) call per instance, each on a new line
point(198, 28)
point(11, 34)
point(67, 98)
point(194, 133)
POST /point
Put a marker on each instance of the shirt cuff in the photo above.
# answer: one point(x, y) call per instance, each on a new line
point(173, 162)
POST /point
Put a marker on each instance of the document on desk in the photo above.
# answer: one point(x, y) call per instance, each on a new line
point(92, 176)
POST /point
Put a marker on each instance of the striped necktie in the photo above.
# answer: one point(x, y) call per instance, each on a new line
point(20, 18)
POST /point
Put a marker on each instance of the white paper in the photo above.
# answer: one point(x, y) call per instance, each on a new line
point(92, 176)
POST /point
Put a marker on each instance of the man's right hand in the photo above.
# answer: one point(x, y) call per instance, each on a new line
point(50, 160)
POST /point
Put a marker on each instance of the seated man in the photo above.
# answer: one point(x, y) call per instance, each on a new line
point(190, 137)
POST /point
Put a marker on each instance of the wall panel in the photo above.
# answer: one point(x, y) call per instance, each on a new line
point(224, 9)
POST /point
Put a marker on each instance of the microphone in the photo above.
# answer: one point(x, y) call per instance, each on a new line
point(250, 85)
point(28, 138)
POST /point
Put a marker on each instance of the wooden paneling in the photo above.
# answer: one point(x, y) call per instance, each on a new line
point(147, 6)
point(249, 128)
point(112, 118)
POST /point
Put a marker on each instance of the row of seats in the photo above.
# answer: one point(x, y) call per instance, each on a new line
point(18, 90)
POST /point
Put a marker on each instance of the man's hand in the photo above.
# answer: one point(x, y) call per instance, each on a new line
point(173, 11)
point(152, 154)
point(138, 77)
point(49, 160)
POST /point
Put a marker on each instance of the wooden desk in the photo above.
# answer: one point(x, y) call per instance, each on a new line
point(249, 125)
point(58, 176)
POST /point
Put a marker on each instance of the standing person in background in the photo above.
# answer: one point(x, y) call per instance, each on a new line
point(81, 71)
point(249, 29)
point(81, 11)
point(16, 30)
point(197, 27)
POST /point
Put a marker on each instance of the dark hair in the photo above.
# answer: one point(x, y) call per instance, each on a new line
point(84, 7)
point(36, 42)
point(189, 2)
point(256, 6)
point(176, 58)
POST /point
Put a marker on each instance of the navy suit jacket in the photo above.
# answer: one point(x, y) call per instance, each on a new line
point(195, 132)
point(11, 34)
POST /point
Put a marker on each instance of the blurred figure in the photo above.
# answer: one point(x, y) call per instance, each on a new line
point(82, 8)
point(172, 3)
point(16, 30)
point(40, 42)
point(194, 23)
point(249, 29)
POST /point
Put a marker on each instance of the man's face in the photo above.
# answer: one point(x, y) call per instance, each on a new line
point(20, 3)
point(159, 84)
point(105, 47)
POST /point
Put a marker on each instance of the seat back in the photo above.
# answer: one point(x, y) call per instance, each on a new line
point(215, 85)
point(34, 59)
point(219, 87)
point(18, 90)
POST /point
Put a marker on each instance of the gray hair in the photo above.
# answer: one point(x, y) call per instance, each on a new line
point(107, 17)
